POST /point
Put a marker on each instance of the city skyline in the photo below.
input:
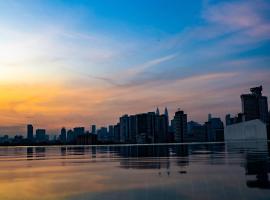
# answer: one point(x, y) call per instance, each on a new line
point(156, 127)
point(77, 63)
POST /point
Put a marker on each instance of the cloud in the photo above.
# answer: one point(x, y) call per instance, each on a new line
point(148, 64)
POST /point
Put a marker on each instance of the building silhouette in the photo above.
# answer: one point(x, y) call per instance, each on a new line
point(70, 136)
point(254, 105)
point(124, 128)
point(78, 131)
point(253, 122)
point(63, 135)
point(116, 133)
point(179, 124)
point(161, 128)
point(196, 132)
point(30, 132)
point(41, 135)
point(93, 129)
point(132, 128)
point(214, 129)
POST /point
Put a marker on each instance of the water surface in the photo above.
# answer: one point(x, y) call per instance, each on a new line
point(236, 170)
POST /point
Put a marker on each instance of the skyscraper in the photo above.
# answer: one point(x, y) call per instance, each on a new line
point(157, 111)
point(110, 133)
point(214, 130)
point(63, 135)
point(30, 132)
point(124, 128)
point(41, 135)
point(78, 131)
point(132, 128)
point(93, 129)
point(180, 126)
point(116, 133)
point(70, 136)
point(161, 129)
point(166, 113)
point(254, 105)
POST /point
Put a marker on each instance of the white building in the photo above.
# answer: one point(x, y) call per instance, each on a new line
point(248, 130)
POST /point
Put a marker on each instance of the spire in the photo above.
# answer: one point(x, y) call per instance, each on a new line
point(166, 112)
point(157, 111)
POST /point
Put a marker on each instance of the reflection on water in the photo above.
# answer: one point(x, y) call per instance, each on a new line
point(196, 171)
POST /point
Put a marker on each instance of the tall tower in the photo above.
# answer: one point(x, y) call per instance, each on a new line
point(63, 135)
point(30, 132)
point(124, 128)
point(180, 126)
point(157, 111)
point(166, 113)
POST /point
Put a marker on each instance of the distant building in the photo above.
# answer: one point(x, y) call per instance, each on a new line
point(63, 135)
point(116, 133)
point(78, 131)
point(254, 105)
point(161, 131)
point(254, 109)
point(41, 135)
point(196, 132)
point(132, 128)
point(70, 136)
point(124, 128)
point(93, 129)
point(30, 132)
point(268, 126)
point(214, 130)
point(110, 133)
point(167, 114)
point(146, 127)
point(179, 124)
point(142, 128)
point(249, 130)
point(86, 139)
point(102, 134)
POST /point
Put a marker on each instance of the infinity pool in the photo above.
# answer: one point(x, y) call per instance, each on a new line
point(200, 171)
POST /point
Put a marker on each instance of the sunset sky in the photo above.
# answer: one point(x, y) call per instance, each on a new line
point(76, 63)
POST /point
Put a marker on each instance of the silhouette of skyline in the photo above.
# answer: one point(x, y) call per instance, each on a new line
point(157, 127)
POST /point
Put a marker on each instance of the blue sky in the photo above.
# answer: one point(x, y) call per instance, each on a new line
point(72, 61)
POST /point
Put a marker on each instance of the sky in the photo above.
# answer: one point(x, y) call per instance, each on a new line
point(76, 62)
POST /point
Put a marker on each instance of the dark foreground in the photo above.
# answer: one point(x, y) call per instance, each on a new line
point(195, 171)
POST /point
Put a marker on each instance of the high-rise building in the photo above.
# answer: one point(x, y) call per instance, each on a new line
point(166, 113)
point(30, 132)
point(93, 129)
point(116, 133)
point(214, 129)
point(63, 135)
point(142, 128)
point(102, 134)
point(132, 128)
point(70, 136)
point(124, 128)
point(157, 111)
point(228, 120)
point(41, 135)
point(196, 132)
point(151, 127)
point(161, 129)
point(254, 105)
point(78, 131)
point(110, 133)
point(180, 126)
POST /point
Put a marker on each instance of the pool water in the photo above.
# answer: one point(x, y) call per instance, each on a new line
point(237, 170)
